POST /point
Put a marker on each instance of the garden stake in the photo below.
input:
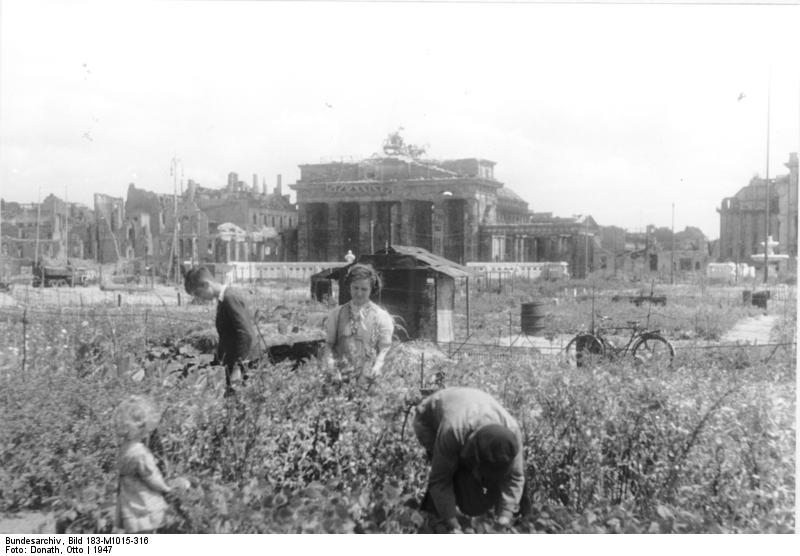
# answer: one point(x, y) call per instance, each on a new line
point(255, 321)
point(24, 337)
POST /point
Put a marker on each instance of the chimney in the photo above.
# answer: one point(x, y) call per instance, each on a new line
point(278, 189)
point(255, 184)
point(264, 186)
point(232, 179)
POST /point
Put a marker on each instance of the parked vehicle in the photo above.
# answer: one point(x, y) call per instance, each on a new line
point(58, 276)
point(648, 347)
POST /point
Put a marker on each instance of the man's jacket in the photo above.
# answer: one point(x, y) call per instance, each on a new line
point(237, 335)
point(445, 424)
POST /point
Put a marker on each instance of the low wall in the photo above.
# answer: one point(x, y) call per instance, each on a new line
point(529, 270)
point(251, 272)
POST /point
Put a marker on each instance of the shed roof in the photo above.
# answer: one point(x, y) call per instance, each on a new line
point(435, 262)
point(404, 257)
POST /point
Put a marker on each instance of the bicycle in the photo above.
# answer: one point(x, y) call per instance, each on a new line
point(647, 346)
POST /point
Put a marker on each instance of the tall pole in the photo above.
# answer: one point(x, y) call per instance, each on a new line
point(66, 223)
point(38, 216)
point(672, 255)
point(175, 217)
point(173, 252)
point(586, 246)
point(766, 184)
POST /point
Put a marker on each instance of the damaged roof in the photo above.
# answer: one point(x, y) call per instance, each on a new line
point(384, 259)
point(435, 262)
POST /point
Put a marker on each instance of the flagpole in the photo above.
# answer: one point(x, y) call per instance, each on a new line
point(766, 183)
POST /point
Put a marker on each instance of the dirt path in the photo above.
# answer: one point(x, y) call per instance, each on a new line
point(750, 330)
point(754, 330)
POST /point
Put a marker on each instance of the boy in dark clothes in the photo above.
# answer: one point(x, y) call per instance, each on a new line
point(238, 346)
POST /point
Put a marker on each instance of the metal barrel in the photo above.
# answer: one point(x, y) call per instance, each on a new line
point(532, 317)
point(759, 299)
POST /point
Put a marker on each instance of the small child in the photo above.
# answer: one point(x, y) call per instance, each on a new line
point(141, 506)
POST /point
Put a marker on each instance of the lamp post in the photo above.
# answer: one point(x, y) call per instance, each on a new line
point(672, 252)
point(766, 185)
point(586, 246)
point(174, 251)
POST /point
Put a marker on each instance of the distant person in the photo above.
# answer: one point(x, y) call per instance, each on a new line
point(475, 449)
point(359, 333)
point(141, 503)
point(349, 257)
point(238, 348)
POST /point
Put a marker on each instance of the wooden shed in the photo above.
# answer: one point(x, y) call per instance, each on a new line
point(418, 290)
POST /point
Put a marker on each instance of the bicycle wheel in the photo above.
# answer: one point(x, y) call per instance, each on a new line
point(653, 350)
point(583, 349)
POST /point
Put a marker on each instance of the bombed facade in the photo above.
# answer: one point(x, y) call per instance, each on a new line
point(456, 209)
point(743, 227)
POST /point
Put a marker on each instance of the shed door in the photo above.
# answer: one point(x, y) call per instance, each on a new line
point(445, 300)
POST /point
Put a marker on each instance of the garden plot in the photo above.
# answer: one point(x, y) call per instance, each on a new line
point(707, 447)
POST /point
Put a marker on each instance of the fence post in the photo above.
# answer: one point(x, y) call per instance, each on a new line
point(24, 337)
point(179, 299)
point(509, 334)
point(467, 284)
point(119, 300)
point(146, 314)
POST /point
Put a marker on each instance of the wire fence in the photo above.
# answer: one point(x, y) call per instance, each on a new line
point(519, 348)
point(160, 306)
point(159, 296)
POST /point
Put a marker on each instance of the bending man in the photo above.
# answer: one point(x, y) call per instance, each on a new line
point(475, 449)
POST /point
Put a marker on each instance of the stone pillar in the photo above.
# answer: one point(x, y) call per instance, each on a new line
point(405, 222)
point(437, 227)
point(395, 213)
point(334, 234)
point(471, 230)
point(365, 222)
point(302, 232)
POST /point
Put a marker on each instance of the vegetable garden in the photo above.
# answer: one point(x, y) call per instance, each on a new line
point(706, 446)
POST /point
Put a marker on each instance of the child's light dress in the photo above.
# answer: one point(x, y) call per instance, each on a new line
point(139, 506)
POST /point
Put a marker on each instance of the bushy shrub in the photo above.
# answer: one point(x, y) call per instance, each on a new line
point(708, 446)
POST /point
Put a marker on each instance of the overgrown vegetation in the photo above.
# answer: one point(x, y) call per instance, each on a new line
point(706, 447)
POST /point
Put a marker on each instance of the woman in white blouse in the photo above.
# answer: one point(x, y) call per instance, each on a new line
point(359, 333)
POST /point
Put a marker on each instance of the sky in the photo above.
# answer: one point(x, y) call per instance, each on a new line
point(619, 111)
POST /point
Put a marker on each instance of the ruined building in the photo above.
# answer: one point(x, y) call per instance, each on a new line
point(453, 208)
point(62, 230)
point(743, 226)
point(233, 223)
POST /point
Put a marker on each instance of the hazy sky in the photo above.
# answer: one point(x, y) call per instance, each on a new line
point(613, 110)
